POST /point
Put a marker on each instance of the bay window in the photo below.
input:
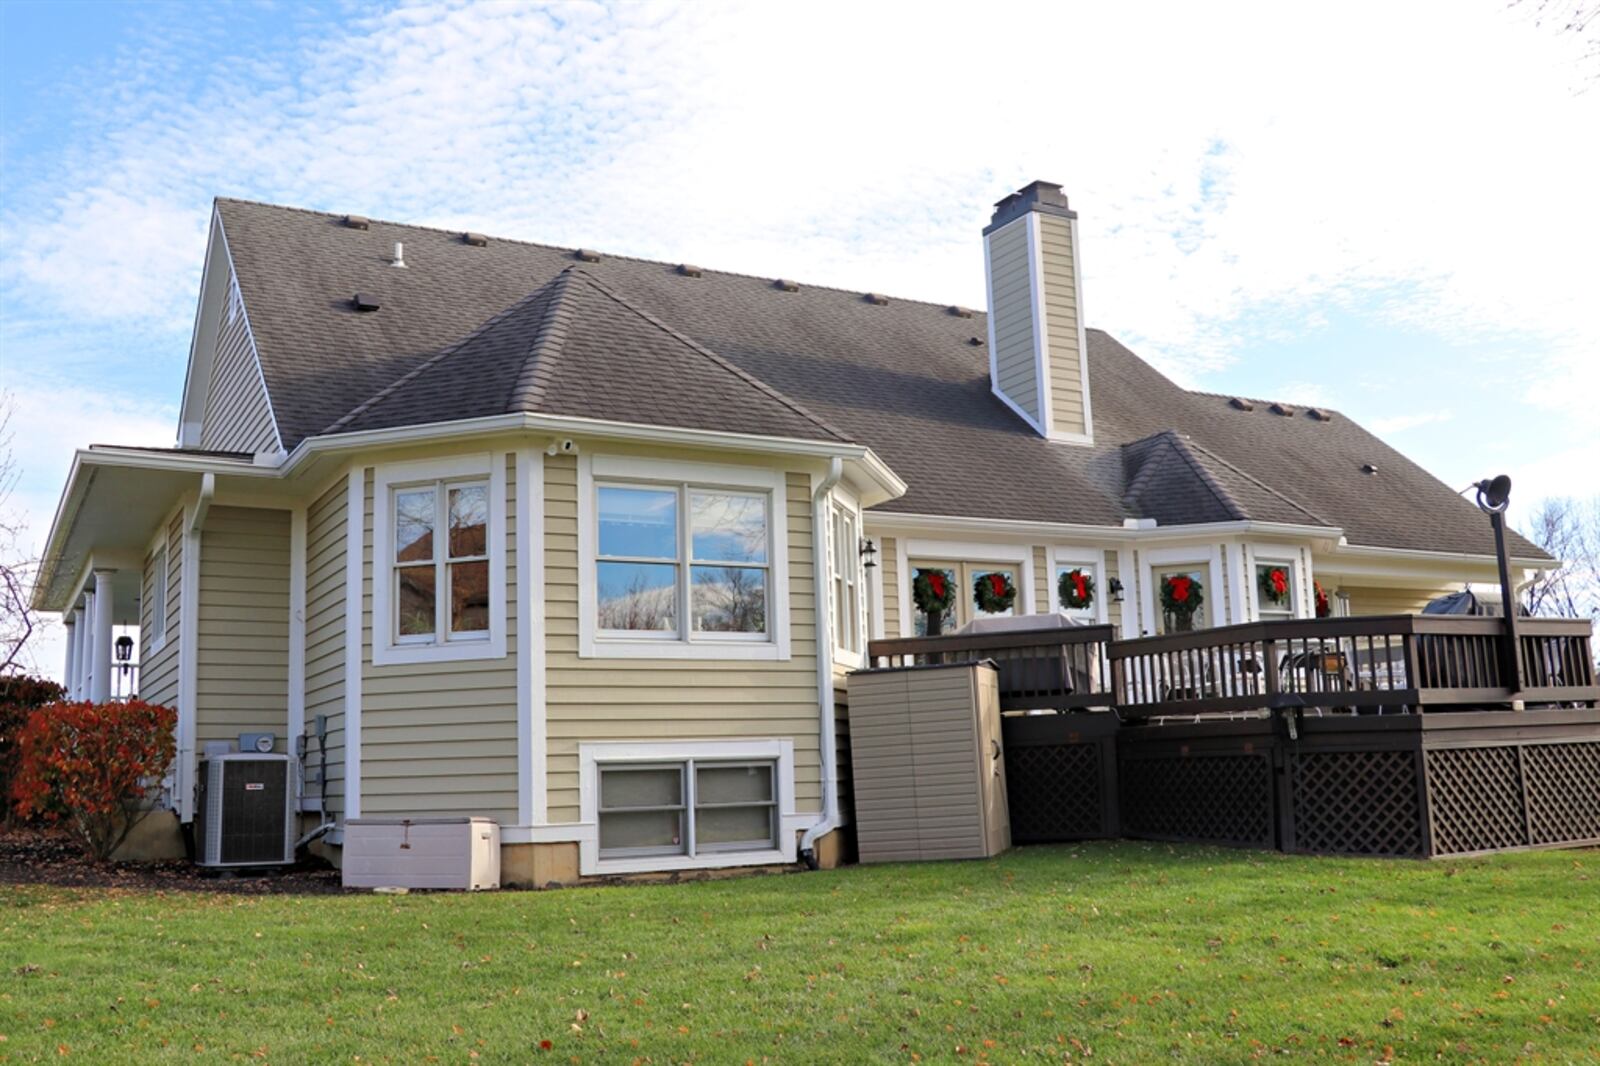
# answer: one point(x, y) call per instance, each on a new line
point(846, 581)
point(687, 565)
point(438, 560)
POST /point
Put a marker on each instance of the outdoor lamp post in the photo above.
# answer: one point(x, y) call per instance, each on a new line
point(1494, 496)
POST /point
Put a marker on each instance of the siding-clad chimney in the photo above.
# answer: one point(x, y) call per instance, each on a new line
point(1037, 360)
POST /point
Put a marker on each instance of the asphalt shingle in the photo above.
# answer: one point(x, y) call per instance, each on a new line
point(640, 341)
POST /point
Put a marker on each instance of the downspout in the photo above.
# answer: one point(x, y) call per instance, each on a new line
point(829, 753)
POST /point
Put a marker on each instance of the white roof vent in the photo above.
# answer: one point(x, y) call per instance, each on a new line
point(399, 259)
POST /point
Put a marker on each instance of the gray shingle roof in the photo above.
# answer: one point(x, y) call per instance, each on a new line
point(467, 330)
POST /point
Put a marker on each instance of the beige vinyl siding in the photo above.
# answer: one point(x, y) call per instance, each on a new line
point(889, 560)
point(1113, 608)
point(1222, 604)
point(1044, 594)
point(158, 672)
point(440, 738)
point(672, 699)
point(242, 661)
point(1059, 270)
point(238, 416)
point(1011, 314)
point(1374, 600)
point(325, 629)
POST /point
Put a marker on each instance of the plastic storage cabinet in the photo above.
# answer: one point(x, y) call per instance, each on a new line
point(459, 853)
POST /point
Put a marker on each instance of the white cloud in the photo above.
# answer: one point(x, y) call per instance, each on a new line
point(1392, 424)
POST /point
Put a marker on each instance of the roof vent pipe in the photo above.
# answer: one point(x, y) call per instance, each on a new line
point(399, 259)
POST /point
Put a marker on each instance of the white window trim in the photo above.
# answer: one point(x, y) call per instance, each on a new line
point(596, 644)
point(591, 757)
point(386, 651)
point(842, 655)
point(1072, 557)
point(1292, 557)
point(962, 551)
point(161, 587)
point(1205, 555)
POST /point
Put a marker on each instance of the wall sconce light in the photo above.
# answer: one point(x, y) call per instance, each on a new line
point(1115, 584)
point(869, 552)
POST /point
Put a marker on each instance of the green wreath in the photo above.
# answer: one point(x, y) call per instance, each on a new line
point(1274, 584)
point(933, 592)
point(1181, 595)
point(994, 593)
point(1075, 589)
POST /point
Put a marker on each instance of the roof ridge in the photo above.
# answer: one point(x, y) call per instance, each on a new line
point(456, 232)
point(537, 369)
point(694, 345)
point(434, 360)
point(1258, 483)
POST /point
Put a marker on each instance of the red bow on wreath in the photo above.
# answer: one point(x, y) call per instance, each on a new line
point(998, 583)
point(936, 583)
point(1180, 587)
point(1280, 582)
point(1080, 584)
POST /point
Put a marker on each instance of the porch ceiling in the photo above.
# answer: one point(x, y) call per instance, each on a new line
point(108, 514)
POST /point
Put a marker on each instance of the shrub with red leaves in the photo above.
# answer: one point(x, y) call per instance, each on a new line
point(19, 695)
point(90, 766)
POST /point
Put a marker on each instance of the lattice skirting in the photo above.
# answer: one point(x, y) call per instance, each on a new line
point(1515, 796)
point(1356, 802)
point(1056, 792)
point(1213, 798)
point(1563, 792)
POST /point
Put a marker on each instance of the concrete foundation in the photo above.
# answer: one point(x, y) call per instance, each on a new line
point(156, 838)
point(538, 865)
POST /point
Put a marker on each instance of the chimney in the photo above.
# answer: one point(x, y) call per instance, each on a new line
point(1038, 363)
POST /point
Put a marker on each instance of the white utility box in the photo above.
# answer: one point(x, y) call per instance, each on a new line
point(460, 853)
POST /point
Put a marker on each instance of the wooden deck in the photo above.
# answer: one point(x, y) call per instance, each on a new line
point(1376, 664)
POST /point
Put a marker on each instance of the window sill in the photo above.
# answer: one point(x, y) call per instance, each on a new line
point(676, 649)
point(465, 651)
point(709, 861)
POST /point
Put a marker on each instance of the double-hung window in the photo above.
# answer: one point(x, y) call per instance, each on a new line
point(156, 636)
point(441, 562)
point(682, 567)
point(846, 596)
point(687, 808)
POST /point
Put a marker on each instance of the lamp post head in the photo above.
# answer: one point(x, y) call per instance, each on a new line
point(1494, 494)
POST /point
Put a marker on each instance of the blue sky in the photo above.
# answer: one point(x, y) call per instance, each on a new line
point(1387, 209)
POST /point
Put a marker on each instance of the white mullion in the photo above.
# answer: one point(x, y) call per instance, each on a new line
point(690, 800)
point(441, 565)
point(685, 562)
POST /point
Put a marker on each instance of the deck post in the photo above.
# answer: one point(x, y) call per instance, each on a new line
point(1508, 607)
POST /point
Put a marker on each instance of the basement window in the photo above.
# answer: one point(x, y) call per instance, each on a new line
point(687, 808)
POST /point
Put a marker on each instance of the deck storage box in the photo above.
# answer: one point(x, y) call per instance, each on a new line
point(459, 853)
point(929, 768)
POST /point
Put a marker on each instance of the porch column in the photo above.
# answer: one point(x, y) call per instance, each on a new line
point(85, 619)
point(69, 619)
point(100, 688)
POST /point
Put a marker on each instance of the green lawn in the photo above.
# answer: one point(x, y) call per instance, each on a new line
point(1117, 953)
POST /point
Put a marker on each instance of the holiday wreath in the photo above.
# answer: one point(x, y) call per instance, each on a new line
point(1274, 583)
point(994, 593)
point(1181, 595)
point(932, 592)
point(1075, 590)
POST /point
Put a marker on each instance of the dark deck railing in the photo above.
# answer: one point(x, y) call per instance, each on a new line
point(1372, 663)
point(1378, 662)
point(1052, 668)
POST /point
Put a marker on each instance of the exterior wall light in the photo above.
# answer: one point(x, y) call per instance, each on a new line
point(1115, 585)
point(869, 553)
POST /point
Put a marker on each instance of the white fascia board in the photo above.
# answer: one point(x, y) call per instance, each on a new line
point(255, 354)
point(896, 522)
point(1368, 551)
